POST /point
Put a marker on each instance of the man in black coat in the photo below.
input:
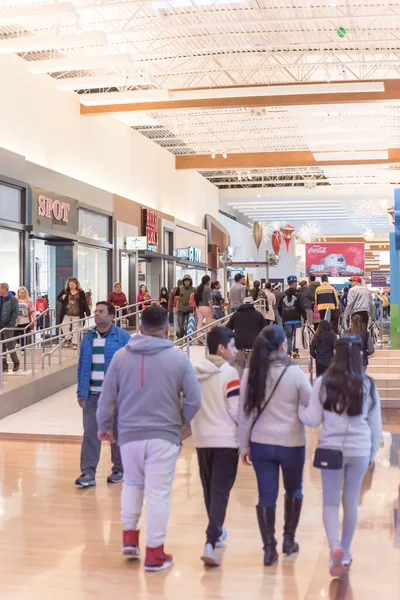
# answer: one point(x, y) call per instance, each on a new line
point(247, 323)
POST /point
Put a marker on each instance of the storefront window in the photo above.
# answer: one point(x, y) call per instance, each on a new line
point(93, 272)
point(94, 225)
point(195, 274)
point(10, 203)
point(9, 258)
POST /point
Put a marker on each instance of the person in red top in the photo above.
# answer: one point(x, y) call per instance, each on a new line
point(117, 297)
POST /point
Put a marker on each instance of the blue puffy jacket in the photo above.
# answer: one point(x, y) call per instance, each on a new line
point(116, 339)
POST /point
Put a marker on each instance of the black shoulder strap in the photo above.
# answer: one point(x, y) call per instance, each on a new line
point(269, 398)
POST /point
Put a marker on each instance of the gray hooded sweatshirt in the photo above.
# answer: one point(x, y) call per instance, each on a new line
point(153, 388)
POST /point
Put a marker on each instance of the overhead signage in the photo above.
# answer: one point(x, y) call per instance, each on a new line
point(53, 211)
point(380, 279)
point(150, 228)
point(335, 259)
point(192, 254)
point(136, 243)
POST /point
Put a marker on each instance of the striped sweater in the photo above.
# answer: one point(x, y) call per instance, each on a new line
point(216, 423)
point(98, 362)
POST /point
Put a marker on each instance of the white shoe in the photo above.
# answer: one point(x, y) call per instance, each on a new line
point(336, 568)
point(347, 560)
point(221, 540)
point(209, 557)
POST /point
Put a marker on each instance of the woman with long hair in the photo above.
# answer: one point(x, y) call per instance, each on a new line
point(74, 308)
point(203, 298)
point(322, 347)
point(217, 300)
point(26, 314)
point(144, 297)
point(271, 299)
point(272, 435)
point(347, 404)
point(358, 327)
point(256, 292)
point(164, 298)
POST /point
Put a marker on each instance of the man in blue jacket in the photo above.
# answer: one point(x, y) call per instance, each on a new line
point(97, 349)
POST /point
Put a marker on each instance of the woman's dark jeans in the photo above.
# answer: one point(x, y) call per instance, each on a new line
point(267, 459)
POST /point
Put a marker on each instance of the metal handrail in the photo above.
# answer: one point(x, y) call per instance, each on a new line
point(39, 316)
point(121, 308)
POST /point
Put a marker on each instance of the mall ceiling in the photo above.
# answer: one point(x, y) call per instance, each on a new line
point(265, 98)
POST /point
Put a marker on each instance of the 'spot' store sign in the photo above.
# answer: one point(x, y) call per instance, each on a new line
point(53, 211)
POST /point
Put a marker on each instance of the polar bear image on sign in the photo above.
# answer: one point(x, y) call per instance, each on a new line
point(336, 265)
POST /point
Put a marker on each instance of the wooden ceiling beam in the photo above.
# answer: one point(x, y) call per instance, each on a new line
point(260, 160)
point(391, 92)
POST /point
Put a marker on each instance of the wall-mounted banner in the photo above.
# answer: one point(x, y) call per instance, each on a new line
point(150, 228)
point(380, 279)
point(335, 259)
point(136, 243)
point(192, 254)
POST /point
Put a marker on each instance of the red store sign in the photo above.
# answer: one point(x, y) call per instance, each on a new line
point(56, 209)
point(150, 226)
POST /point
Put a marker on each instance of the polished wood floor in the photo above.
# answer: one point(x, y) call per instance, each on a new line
point(62, 543)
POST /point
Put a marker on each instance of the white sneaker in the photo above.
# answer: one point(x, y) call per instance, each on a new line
point(336, 568)
point(209, 557)
point(347, 560)
point(221, 540)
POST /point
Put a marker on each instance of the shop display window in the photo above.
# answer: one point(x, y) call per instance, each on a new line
point(93, 272)
point(10, 203)
point(94, 225)
point(10, 257)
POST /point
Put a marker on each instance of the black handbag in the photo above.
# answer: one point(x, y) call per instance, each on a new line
point(325, 458)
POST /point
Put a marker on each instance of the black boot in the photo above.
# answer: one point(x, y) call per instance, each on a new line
point(266, 523)
point(292, 516)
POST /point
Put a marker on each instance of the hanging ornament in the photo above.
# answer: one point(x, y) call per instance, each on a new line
point(341, 32)
point(287, 232)
point(276, 241)
point(258, 233)
point(391, 214)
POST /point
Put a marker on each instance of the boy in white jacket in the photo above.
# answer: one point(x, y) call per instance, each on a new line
point(215, 432)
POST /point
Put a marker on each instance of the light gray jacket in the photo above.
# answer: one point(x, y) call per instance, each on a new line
point(279, 424)
point(360, 299)
point(354, 436)
point(153, 388)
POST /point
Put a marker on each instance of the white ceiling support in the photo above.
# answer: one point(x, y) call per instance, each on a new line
point(51, 42)
point(80, 63)
point(35, 13)
point(129, 79)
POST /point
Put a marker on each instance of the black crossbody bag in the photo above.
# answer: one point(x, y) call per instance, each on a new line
point(328, 459)
point(269, 398)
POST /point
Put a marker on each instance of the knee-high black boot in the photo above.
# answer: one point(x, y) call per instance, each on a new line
point(266, 524)
point(292, 516)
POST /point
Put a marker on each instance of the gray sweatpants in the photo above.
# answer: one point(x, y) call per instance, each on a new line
point(91, 445)
point(349, 478)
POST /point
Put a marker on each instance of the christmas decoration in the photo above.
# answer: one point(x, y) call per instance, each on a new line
point(258, 233)
point(287, 232)
point(310, 232)
point(391, 214)
point(341, 32)
point(368, 234)
point(276, 241)
point(271, 259)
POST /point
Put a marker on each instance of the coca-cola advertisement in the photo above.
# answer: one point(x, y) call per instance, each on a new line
point(335, 259)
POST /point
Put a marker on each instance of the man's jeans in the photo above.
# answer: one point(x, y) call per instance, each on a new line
point(91, 445)
point(183, 318)
point(290, 331)
point(10, 346)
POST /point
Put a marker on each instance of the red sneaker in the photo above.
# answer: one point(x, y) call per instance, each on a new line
point(156, 559)
point(131, 543)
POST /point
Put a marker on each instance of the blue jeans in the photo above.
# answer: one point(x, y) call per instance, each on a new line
point(290, 331)
point(278, 318)
point(267, 459)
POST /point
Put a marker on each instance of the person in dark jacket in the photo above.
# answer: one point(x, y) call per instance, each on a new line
point(308, 298)
point(184, 309)
point(97, 350)
point(291, 308)
point(247, 323)
point(358, 327)
point(322, 347)
point(74, 308)
point(313, 284)
point(8, 318)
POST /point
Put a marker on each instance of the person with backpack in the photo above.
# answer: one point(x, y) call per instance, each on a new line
point(184, 308)
point(215, 434)
point(358, 328)
point(217, 300)
point(291, 308)
point(347, 404)
point(327, 299)
point(322, 347)
point(247, 323)
point(204, 302)
point(272, 436)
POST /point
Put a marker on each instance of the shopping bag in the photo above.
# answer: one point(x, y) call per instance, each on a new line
point(192, 324)
point(307, 335)
point(299, 338)
point(374, 331)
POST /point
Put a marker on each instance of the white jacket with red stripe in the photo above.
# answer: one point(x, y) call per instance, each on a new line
point(216, 423)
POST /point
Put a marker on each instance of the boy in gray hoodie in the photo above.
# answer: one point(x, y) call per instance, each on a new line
point(154, 390)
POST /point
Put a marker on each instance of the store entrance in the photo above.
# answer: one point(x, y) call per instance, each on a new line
point(128, 269)
point(51, 265)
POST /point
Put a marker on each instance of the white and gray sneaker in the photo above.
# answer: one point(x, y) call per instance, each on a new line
point(86, 480)
point(347, 560)
point(222, 538)
point(209, 556)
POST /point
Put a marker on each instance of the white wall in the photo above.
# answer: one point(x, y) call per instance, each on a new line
point(44, 125)
point(245, 250)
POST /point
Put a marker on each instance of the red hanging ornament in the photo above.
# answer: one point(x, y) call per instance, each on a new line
point(391, 214)
point(287, 231)
point(276, 241)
